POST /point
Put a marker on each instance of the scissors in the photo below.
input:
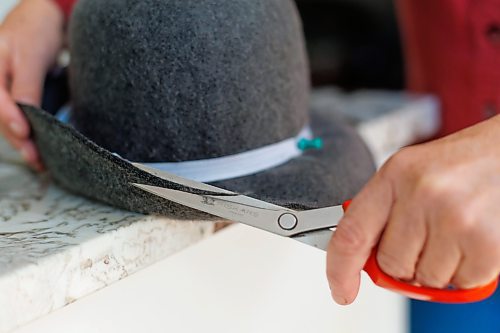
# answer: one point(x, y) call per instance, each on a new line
point(313, 227)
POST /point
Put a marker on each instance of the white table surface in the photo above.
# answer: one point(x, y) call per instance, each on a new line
point(239, 280)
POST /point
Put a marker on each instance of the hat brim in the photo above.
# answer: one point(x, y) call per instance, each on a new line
point(318, 178)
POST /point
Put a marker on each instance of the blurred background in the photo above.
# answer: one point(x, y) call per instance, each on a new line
point(5, 6)
point(353, 44)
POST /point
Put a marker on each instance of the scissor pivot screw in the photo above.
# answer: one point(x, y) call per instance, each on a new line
point(287, 221)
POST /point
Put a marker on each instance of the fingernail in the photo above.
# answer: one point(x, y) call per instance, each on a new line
point(339, 299)
point(16, 129)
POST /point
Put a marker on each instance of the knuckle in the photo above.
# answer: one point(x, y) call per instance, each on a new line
point(400, 161)
point(349, 238)
point(454, 217)
point(430, 278)
point(393, 265)
point(436, 188)
point(462, 220)
point(430, 187)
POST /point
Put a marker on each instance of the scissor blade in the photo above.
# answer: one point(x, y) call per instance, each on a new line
point(323, 218)
point(318, 239)
point(325, 222)
point(179, 180)
point(249, 211)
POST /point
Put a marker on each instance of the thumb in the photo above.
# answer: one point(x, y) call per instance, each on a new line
point(357, 233)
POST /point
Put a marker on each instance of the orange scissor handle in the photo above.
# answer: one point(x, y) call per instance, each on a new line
point(383, 280)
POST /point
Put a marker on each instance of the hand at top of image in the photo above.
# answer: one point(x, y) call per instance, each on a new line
point(30, 39)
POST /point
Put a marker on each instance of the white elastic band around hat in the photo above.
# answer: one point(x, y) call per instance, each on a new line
point(233, 166)
point(238, 165)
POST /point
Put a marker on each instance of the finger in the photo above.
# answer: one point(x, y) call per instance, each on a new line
point(470, 274)
point(38, 165)
point(356, 235)
point(480, 263)
point(4, 64)
point(13, 140)
point(25, 147)
point(27, 82)
point(16, 127)
point(402, 240)
point(439, 259)
point(14, 123)
point(29, 153)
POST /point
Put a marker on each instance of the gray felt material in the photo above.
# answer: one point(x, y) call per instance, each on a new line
point(176, 80)
point(319, 178)
point(187, 66)
point(82, 167)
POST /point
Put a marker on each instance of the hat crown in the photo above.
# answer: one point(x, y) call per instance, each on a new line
point(177, 80)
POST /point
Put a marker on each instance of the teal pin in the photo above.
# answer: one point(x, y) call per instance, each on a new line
point(306, 144)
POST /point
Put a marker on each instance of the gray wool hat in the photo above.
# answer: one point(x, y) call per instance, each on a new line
point(218, 84)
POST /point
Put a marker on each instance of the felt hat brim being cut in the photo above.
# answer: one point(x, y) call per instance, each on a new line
point(317, 178)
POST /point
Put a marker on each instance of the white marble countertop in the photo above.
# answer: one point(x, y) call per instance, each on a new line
point(57, 248)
